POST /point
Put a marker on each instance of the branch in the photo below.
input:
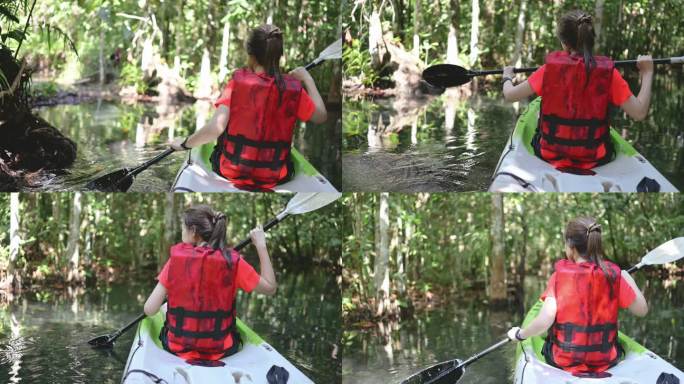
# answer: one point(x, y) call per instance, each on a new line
point(15, 82)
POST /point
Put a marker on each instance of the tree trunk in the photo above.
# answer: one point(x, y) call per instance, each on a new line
point(474, 33)
point(452, 39)
point(598, 24)
point(13, 281)
point(72, 252)
point(101, 54)
point(376, 45)
point(497, 284)
point(169, 228)
point(381, 273)
point(519, 33)
point(223, 61)
point(416, 28)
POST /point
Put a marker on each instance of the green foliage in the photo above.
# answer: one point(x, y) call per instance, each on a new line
point(131, 75)
point(130, 232)
point(357, 62)
point(444, 240)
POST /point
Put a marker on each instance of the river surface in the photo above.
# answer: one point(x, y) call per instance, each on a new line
point(111, 136)
point(392, 352)
point(43, 334)
point(447, 144)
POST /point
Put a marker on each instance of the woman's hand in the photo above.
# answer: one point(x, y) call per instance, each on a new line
point(176, 144)
point(508, 71)
point(645, 64)
point(301, 74)
point(512, 333)
point(258, 237)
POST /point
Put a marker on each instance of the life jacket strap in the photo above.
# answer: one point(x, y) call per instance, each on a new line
point(569, 329)
point(241, 141)
point(218, 333)
point(590, 141)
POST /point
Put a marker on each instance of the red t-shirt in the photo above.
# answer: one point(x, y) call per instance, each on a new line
point(626, 296)
point(619, 89)
point(247, 277)
point(305, 108)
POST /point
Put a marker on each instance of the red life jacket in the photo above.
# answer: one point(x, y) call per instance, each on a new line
point(584, 334)
point(573, 126)
point(200, 317)
point(255, 148)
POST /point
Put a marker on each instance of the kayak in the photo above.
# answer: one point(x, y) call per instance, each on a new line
point(196, 175)
point(639, 365)
point(520, 170)
point(148, 362)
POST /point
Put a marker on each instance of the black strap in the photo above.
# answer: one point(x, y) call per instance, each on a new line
point(218, 333)
point(590, 142)
point(607, 340)
point(236, 159)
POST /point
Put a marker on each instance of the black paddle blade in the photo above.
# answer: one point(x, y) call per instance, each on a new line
point(446, 75)
point(118, 181)
point(442, 373)
point(103, 341)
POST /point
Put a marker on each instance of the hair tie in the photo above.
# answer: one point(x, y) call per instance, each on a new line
point(219, 216)
point(274, 32)
point(584, 19)
point(596, 227)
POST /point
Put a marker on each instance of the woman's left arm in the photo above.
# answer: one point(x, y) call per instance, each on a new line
point(513, 93)
point(155, 301)
point(210, 132)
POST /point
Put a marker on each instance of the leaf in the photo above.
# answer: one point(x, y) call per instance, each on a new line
point(14, 34)
point(8, 14)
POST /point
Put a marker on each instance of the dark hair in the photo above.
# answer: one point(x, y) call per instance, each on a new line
point(210, 226)
point(584, 234)
point(576, 30)
point(265, 43)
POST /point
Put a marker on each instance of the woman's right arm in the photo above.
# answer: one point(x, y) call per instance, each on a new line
point(639, 307)
point(637, 107)
point(267, 282)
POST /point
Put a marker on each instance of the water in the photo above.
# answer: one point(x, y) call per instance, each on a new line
point(441, 144)
point(112, 136)
point(390, 353)
point(43, 334)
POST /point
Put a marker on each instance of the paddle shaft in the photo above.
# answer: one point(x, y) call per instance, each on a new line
point(479, 355)
point(268, 226)
point(621, 63)
point(149, 162)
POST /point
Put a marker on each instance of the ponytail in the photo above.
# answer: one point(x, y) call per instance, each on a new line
point(265, 43)
point(584, 234)
point(210, 226)
point(576, 30)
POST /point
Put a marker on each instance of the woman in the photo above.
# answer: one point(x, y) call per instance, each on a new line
point(200, 281)
point(256, 114)
point(581, 304)
point(577, 88)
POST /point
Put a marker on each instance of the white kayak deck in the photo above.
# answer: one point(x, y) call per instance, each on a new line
point(249, 366)
point(196, 175)
point(520, 170)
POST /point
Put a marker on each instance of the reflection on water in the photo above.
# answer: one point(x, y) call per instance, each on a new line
point(112, 136)
point(389, 353)
point(445, 144)
point(43, 335)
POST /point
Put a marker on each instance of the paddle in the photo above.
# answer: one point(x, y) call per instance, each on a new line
point(121, 180)
point(302, 202)
point(333, 51)
point(450, 75)
point(667, 252)
point(449, 372)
